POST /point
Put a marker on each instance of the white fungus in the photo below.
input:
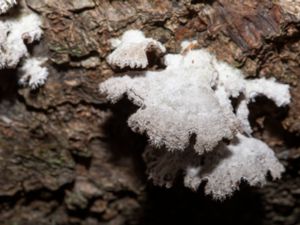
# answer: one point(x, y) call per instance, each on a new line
point(17, 31)
point(6, 5)
point(33, 73)
point(169, 114)
point(222, 170)
point(245, 159)
point(131, 50)
point(187, 113)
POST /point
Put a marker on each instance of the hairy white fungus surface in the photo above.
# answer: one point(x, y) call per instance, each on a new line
point(168, 114)
point(222, 170)
point(187, 113)
point(246, 158)
point(191, 96)
point(5, 5)
point(33, 73)
point(131, 50)
point(16, 31)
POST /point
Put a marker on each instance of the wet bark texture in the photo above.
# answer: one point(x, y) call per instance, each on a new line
point(68, 157)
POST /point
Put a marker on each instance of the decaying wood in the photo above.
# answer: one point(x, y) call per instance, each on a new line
point(66, 157)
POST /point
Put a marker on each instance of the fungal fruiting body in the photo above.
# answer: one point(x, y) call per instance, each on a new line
point(191, 98)
point(17, 31)
point(33, 73)
point(222, 170)
point(169, 114)
point(131, 50)
point(5, 5)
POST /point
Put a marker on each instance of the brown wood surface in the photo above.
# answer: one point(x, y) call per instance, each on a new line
point(67, 157)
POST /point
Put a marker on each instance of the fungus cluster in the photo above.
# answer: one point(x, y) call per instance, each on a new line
point(131, 50)
point(21, 27)
point(5, 5)
point(187, 113)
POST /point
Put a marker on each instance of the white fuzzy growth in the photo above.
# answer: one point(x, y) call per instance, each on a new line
point(234, 83)
point(27, 26)
point(242, 113)
point(16, 33)
point(247, 159)
point(173, 60)
point(225, 103)
point(277, 92)
point(33, 73)
point(169, 114)
point(131, 50)
point(230, 78)
point(4, 28)
point(17, 30)
point(180, 100)
point(6, 5)
point(193, 96)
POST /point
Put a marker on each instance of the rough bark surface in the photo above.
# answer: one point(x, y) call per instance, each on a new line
point(67, 157)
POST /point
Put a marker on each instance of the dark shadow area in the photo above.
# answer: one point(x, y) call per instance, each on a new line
point(8, 85)
point(10, 205)
point(210, 2)
point(122, 140)
point(126, 147)
point(180, 206)
point(266, 116)
point(123, 148)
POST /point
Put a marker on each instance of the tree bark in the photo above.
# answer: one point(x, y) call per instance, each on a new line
point(67, 157)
